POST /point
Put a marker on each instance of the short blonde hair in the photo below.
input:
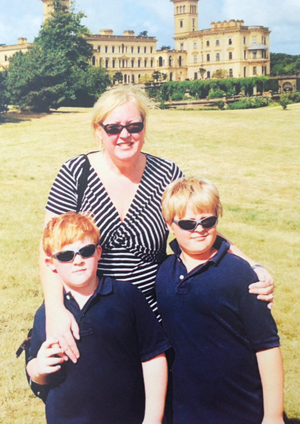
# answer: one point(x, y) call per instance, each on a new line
point(66, 229)
point(201, 193)
point(116, 97)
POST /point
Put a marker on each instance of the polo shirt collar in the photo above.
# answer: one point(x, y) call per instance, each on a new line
point(221, 244)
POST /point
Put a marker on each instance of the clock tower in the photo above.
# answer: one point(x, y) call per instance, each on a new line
point(185, 16)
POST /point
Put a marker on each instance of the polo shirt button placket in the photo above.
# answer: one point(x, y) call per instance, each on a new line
point(181, 277)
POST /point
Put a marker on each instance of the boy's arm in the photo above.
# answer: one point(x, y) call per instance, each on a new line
point(47, 362)
point(155, 372)
point(60, 323)
point(271, 374)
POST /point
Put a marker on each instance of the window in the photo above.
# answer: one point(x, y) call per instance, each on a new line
point(160, 61)
point(254, 70)
point(106, 49)
point(195, 45)
point(254, 40)
point(177, 9)
point(113, 49)
point(183, 9)
point(180, 61)
point(230, 73)
point(245, 71)
point(132, 63)
point(217, 42)
point(99, 48)
point(245, 54)
point(207, 43)
point(218, 56)
point(106, 63)
point(244, 40)
point(123, 48)
point(230, 41)
point(138, 49)
point(195, 59)
point(5, 58)
point(113, 63)
point(151, 63)
point(171, 76)
point(181, 46)
point(123, 63)
point(132, 49)
point(132, 79)
point(230, 55)
point(208, 57)
point(170, 60)
point(145, 63)
point(94, 60)
point(145, 49)
point(208, 74)
point(151, 49)
point(125, 78)
point(195, 75)
point(139, 63)
point(254, 54)
point(181, 24)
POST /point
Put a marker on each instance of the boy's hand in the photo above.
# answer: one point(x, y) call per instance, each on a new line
point(264, 288)
point(63, 327)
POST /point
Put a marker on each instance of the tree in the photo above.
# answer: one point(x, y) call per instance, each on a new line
point(202, 72)
point(118, 77)
point(54, 72)
point(220, 74)
point(3, 96)
point(143, 34)
point(156, 76)
point(165, 48)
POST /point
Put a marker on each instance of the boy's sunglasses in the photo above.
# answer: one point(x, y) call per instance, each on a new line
point(132, 128)
point(192, 224)
point(68, 255)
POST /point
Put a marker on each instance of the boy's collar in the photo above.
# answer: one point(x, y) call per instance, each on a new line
point(220, 244)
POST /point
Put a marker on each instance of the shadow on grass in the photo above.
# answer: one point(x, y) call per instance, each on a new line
point(17, 117)
point(288, 420)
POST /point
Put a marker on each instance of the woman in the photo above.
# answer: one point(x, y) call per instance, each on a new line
point(123, 192)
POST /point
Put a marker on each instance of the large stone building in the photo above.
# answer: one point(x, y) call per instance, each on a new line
point(240, 50)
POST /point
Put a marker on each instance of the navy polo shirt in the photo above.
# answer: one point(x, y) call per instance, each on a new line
point(216, 327)
point(118, 331)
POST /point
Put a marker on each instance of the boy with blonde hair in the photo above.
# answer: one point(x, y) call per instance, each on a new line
point(227, 367)
point(121, 375)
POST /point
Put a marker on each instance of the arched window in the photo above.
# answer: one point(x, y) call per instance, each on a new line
point(170, 60)
point(230, 41)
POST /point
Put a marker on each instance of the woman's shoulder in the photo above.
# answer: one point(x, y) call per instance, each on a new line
point(156, 161)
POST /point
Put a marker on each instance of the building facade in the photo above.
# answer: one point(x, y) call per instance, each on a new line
point(230, 46)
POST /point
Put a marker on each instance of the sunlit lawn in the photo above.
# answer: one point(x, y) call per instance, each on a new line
point(253, 157)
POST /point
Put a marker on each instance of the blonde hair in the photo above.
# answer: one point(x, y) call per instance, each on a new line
point(66, 229)
point(200, 193)
point(116, 97)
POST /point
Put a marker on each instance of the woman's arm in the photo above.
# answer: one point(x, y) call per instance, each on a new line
point(155, 372)
point(271, 374)
point(60, 323)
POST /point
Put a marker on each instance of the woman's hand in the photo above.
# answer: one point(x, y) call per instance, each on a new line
point(264, 288)
point(63, 327)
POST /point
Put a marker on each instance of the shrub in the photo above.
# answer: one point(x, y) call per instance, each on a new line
point(216, 93)
point(284, 100)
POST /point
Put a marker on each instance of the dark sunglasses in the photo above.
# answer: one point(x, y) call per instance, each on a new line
point(132, 128)
point(192, 224)
point(68, 255)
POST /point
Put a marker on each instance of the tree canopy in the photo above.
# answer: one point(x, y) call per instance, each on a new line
point(56, 71)
point(285, 64)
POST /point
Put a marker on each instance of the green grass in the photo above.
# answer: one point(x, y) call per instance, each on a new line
point(251, 155)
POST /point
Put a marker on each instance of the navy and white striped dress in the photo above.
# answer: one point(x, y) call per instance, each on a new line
point(132, 249)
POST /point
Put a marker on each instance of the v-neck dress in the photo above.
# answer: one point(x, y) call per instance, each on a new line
point(132, 249)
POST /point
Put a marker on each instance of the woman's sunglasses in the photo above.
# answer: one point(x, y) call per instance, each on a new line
point(68, 255)
point(192, 224)
point(114, 129)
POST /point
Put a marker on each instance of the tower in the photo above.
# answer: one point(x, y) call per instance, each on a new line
point(48, 7)
point(185, 16)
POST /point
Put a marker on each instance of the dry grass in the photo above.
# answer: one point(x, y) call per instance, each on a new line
point(252, 156)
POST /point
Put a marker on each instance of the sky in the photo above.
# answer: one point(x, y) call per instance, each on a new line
point(23, 18)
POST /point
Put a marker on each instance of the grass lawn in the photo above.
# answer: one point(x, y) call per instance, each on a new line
point(253, 156)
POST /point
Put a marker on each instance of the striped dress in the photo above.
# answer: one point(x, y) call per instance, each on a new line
point(133, 249)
